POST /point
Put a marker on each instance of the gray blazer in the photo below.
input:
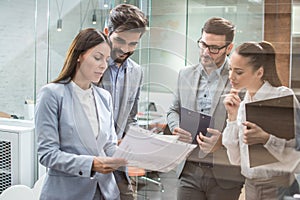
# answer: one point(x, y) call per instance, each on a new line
point(129, 102)
point(67, 145)
point(185, 96)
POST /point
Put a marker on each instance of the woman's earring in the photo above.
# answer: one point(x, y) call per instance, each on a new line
point(78, 60)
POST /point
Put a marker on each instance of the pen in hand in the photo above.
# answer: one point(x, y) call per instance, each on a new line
point(225, 95)
point(233, 91)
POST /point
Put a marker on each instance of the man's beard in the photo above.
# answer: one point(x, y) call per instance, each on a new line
point(211, 64)
point(118, 59)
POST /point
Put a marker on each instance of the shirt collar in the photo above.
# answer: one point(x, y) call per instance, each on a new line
point(111, 63)
point(81, 91)
point(261, 93)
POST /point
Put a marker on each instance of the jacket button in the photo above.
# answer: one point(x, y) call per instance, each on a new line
point(80, 173)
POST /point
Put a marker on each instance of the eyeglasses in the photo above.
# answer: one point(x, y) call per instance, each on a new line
point(212, 48)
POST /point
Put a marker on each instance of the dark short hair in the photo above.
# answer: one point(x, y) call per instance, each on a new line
point(85, 40)
point(126, 17)
point(220, 26)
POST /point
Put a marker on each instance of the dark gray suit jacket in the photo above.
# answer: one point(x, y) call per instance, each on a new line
point(185, 96)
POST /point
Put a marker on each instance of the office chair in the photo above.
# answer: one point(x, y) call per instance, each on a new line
point(37, 188)
point(139, 173)
point(17, 192)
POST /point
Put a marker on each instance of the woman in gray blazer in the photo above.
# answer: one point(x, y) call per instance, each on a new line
point(75, 128)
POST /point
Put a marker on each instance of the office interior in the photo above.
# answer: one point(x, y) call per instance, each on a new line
point(35, 35)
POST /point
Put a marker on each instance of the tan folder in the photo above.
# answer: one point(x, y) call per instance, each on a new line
point(275, 116)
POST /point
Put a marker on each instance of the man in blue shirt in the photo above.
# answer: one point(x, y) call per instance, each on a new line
point(207, 173)
point(123, 78)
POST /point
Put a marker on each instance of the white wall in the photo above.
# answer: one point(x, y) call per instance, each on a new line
point(16, 54)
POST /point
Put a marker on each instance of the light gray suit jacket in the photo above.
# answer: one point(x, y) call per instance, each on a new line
point(185, 96)
point(129, 102)
point(67, 145)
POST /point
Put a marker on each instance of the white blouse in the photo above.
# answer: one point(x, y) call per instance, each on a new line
point(280, 148)
point(87, 100)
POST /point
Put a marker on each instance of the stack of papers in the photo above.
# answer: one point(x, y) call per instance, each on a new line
point(151, 151)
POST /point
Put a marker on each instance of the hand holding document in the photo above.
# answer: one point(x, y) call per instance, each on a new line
point(151, 151)
point(195, 122)
point(106, 165)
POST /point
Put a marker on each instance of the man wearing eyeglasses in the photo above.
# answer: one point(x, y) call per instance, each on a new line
point(123, 78)
point(207, 173)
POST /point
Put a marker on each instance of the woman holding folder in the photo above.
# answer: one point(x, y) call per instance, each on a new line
point(252, 67)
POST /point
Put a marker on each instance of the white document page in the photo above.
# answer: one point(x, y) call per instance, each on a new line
point(151, 151)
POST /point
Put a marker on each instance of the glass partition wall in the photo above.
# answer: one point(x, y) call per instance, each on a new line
point(35, 36)
point(33, 49)
point(175, 26)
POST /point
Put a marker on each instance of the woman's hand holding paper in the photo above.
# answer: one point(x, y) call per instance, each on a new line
point(106, 165)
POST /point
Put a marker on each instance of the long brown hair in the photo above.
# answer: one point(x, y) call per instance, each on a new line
point(85, 40)
point(261, 55)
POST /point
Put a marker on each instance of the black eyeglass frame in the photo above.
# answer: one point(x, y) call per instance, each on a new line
point(212, 48)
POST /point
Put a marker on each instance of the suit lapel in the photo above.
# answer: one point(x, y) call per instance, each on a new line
point(124, 100)
point(195, 85)
point(82, 125)
point(102, 118)
point(105, 82)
